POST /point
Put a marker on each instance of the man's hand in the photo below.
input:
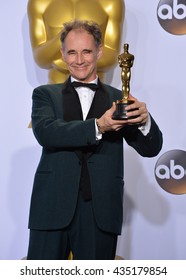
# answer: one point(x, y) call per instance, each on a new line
point(106, 123)
point(141, 112)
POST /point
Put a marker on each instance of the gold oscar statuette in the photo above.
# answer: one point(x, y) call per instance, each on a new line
point(125, 61)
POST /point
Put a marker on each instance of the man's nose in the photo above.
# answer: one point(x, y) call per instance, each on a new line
point(79, 58)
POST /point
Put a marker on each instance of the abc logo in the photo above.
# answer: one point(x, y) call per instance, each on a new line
point(170, 171)
point(172, 16)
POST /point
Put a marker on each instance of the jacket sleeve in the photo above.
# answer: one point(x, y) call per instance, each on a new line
point(147, 146)
point(52, 131)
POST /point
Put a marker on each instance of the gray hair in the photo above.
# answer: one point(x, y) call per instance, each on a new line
point(90, 26)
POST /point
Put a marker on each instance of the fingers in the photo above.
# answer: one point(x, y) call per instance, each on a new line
point(106, 123)
point(139, 112)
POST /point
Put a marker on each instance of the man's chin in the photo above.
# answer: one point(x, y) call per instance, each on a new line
point(83, 77)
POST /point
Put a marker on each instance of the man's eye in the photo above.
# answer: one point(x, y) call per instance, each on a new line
point(87, 51)
point(71, 53)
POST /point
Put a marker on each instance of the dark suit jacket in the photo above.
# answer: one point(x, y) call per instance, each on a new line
point(59, 129)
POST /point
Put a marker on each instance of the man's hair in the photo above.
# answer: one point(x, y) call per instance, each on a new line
point(90, 26)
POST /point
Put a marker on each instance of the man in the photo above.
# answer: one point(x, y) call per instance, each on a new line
point(78, 188)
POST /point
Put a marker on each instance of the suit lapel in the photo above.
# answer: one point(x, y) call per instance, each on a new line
point(99, 104)
point(71, 104)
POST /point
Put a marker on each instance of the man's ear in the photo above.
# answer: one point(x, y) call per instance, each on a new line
point(100, 51)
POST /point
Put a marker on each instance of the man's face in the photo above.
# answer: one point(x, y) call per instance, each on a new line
point(81, 55)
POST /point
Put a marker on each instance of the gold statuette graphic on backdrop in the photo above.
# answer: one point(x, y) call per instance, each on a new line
point(125, 61)
point(46, 19)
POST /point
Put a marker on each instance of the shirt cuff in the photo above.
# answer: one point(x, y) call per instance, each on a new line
point(98, 133)
point(145, 128)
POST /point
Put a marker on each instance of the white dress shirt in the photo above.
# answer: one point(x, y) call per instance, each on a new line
point(86, 96)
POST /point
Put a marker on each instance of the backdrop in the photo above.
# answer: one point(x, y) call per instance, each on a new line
point(154, 225)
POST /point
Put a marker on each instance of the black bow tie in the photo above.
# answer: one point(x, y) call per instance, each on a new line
point(79, 84)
